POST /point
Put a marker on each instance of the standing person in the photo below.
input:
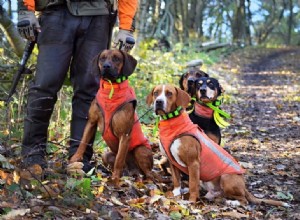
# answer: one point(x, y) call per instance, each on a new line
point(70, 33)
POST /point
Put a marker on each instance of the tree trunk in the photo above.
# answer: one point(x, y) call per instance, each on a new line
point(11, 33)
point(184, 20)
point(290, 23)
point(200, 6)
point(141, 20)
point(269, 27)
point(248, 23)
point(175, 12)
point(238, 28)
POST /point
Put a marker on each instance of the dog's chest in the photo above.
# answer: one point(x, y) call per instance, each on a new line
point(174, 151)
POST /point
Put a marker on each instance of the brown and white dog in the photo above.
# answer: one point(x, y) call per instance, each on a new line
point(189, 150)
point(113, 111)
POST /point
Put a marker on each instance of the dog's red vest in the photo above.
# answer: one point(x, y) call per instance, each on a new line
point(214, 160)
point(203, 111)
point(122, 94)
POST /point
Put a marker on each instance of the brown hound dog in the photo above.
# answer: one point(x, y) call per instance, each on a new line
point(189, 150)
point(113, 111)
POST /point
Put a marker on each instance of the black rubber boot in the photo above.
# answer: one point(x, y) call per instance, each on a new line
point(39, 110)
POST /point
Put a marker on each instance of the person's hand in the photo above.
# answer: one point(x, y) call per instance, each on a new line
point(28, 25)
point(124, 40)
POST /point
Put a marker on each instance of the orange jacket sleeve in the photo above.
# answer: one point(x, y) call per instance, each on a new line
point(127, 10)
point(26, 5)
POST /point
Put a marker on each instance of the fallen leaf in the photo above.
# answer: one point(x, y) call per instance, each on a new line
point(175, 215)
point(234, 214)
point(7, 177)
point(115, 201)
point(246, 165)
point(15, 213)
point(154, 199)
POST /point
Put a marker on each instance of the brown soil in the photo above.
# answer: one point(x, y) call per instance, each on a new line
point(264, 88)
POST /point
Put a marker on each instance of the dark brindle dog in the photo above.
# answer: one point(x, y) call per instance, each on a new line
point(207, 90)
point(113, 111)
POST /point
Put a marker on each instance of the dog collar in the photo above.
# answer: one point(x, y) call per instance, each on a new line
point(191, 106)
point(172, 114)
point(165, 117)
point(118, 80)
point(218, 101)
point(121, 79)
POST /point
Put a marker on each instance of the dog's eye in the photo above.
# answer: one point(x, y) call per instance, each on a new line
point(211, 84)
point(155, 94)
point(116, 59)
point(102, 59)
point(169, 94)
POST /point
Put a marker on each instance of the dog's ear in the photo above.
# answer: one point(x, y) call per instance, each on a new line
point(181, 80)
point(222, 90)
point(95, 70)
point(129, 64)
point(183, 98)
point(219, 88)
point(149, 98)
point(203, 73)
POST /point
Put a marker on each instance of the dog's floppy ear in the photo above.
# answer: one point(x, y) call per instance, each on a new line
point(203, 74)
point(149, 98)
point(129, 64)
point(220, 88)
point(95, 70)
point(183, 98)
point(181, 80)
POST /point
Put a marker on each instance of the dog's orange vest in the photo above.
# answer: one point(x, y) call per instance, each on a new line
point(203, 111)
point(122, 94)
point(214, 160)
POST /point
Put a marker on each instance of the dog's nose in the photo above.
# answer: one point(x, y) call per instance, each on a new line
point(190, 82)
point(159, 102)
point(202, 90)
point(106, 65)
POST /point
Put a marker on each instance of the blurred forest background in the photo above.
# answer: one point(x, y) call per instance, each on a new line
point(169, 33)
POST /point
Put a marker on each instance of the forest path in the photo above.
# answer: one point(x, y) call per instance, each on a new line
point(265, 132)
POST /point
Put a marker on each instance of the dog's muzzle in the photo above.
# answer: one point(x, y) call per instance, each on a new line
point(159, 105)
point(203, 92)
point(108, 71)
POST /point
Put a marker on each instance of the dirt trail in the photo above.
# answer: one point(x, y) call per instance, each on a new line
point(265, 132)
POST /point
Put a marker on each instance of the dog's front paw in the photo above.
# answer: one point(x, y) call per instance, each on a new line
point(75, 169)
point(233, 203)
point(75, 158)
point(193, 199)
point(116, 181)
point(176, 191)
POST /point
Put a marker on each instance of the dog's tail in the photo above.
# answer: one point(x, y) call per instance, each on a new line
point(255, 200)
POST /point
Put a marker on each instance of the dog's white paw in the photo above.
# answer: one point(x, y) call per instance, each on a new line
point(176, 191)
point(209, 196)
point(233, 203)
point(286, 205)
